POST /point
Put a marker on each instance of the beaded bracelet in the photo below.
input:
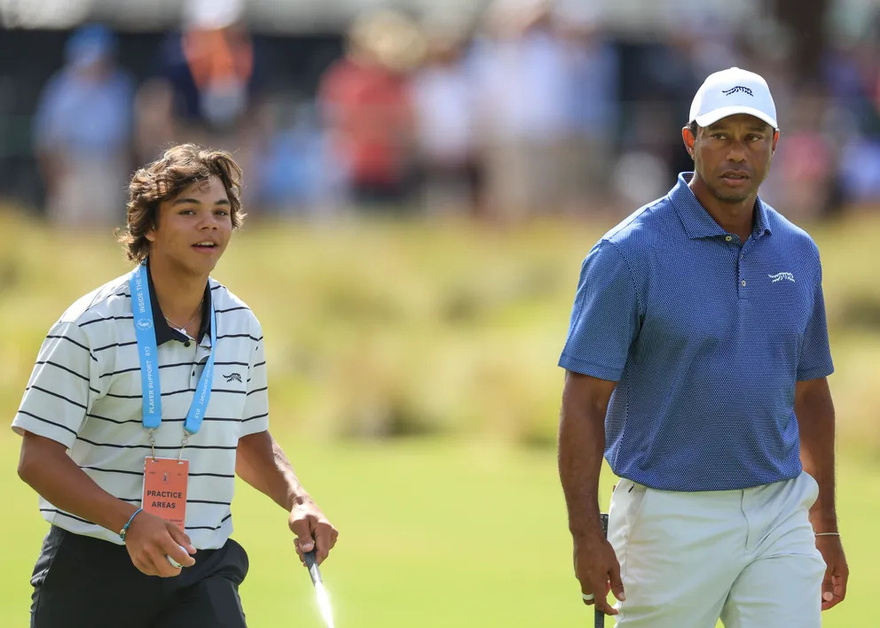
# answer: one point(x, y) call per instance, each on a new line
point(124, 529)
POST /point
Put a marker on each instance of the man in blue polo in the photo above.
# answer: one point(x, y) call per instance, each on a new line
point(696, 364)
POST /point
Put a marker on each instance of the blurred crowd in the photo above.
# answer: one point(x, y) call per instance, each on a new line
point(531, 110)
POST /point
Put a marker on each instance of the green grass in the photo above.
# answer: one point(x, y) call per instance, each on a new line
point(448, 333)
point(433, 534)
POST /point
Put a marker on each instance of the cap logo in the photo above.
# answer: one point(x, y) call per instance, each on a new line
point(738, 88)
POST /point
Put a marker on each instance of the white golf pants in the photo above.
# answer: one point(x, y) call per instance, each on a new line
point(746, 556)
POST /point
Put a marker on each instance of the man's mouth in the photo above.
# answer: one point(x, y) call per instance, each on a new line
point(732, 176)
point(207, 244)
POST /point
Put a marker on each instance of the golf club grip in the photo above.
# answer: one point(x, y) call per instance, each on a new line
point(599, 616)
point(312, 565)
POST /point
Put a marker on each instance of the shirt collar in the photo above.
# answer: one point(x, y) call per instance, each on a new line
point(164, 332)
point(696, 220)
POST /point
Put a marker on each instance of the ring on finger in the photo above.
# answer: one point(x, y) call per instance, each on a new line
point(588, 597)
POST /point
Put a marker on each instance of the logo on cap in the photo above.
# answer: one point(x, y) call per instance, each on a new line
point(738, 88)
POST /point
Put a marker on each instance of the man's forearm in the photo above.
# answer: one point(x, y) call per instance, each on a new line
point(581, 449)
point(815, 413)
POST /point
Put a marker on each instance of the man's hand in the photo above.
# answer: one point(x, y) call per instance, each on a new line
point(597, 569)
point(836, 571)
point(312, 529)
point(150, 540)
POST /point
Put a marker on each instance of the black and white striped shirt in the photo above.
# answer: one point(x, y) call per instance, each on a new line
point(85, 392)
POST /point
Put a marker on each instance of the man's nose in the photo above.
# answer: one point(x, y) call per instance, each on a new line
point(737, 151)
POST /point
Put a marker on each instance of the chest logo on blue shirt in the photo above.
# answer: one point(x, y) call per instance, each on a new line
point(781, 277)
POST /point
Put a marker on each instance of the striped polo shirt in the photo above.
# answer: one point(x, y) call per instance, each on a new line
point(706, 337)
point(85, 392)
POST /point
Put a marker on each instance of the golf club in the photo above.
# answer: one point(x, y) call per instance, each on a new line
point(320, 591)
point(599, 616)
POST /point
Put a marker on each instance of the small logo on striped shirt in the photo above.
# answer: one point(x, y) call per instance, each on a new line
point(781, 277)
point(232, 377)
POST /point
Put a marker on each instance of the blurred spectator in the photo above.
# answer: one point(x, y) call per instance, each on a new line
point(860, 170)
point(524, 92)
point(293, 171)
point(366, 105)
point(592, 111)
point(210, 66)
point(444, 96)
point(83, 132)
point(852, 72)
point(659, 81)
point(803, 180)
point(205, 88)
point(154, 120)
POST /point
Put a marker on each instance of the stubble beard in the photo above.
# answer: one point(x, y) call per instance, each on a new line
point(731, 198)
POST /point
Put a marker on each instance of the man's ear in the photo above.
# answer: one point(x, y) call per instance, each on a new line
point(688, 138)
point(775, 139)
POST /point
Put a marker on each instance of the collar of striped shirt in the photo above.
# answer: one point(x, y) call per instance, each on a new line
point(164, 331)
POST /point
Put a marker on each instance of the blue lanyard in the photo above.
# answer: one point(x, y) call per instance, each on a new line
point(149, 359)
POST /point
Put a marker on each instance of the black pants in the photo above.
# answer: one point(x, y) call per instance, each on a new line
point(82, 582)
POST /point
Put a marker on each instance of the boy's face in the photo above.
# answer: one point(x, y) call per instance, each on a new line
point(193, 229)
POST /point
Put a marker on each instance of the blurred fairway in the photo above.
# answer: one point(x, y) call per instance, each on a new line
point(414, 386)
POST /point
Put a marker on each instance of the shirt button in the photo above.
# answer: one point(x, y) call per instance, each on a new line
point(728, 238)
point(186, 344)
point(744, 283)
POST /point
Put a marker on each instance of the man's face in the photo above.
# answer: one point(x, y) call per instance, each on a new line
point(732, 156)
point(193, 228)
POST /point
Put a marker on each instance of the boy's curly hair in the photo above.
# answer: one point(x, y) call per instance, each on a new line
point(165, 178)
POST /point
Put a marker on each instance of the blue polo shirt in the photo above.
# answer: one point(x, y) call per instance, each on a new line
point(706, 337)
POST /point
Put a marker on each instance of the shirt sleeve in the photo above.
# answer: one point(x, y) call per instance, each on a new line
point(605, 317)
point(815, 361)
point(59, 393)
point(256, 408)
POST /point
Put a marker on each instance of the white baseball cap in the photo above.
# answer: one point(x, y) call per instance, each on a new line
point(733, 91)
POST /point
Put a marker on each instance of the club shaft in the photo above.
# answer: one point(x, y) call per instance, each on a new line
point(312, 565)
point(311, 562)
point(599, 616)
